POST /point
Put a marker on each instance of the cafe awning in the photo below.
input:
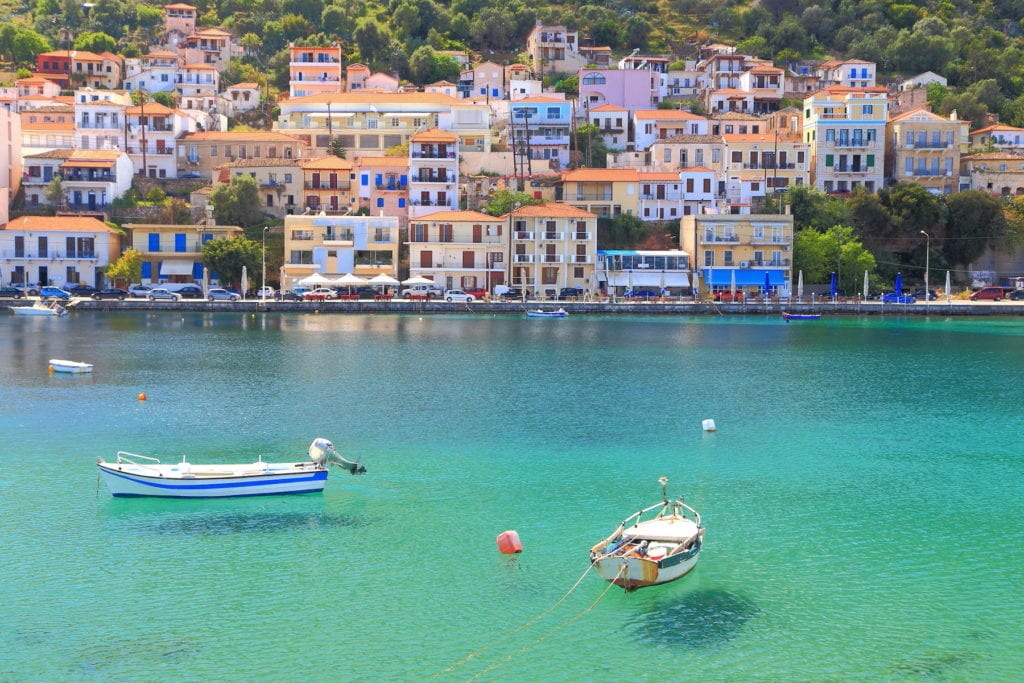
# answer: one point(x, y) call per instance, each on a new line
point(176, 267)
point(745, 277)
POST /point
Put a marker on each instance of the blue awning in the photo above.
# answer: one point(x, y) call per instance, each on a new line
point(745, 277)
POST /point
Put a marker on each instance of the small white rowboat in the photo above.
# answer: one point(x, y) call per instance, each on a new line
point(649, 552)
point(73, 366)
point(134, 475)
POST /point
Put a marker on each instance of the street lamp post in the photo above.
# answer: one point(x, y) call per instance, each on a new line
point(263, 270)
point(927, 254)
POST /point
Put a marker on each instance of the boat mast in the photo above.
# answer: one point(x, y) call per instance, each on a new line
point(664, 494)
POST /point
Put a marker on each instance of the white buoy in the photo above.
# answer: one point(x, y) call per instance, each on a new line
point(708, 425)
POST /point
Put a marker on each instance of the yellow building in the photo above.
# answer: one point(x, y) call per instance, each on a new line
point(552, 246)
point(458, 249)
point(925, 148)
point(845, 128)
point(174, 253)
point(327, 185)
point(335, 245)
point(606, 192)
point(740, 249)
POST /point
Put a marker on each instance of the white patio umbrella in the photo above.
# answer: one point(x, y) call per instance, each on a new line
point(245, 282)
point(732, 284)
point(349, 280)
point(281, 286)
point(865, 285)
point(383, 281)
point(800, 285)
point(417, 280)
point(949, 288)
point(315, 280)
point(206, 281)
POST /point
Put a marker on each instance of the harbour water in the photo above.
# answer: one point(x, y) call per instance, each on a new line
point(862, 497)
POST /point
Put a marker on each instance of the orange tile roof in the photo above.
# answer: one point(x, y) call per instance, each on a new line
point(48, 125)
point(457, 217)
point(696, 169)
point(368, 162)
point(179, 5)
point(434, 135)
point(149, 108)
point(551, 210)
point(541, 98)
point(95, 155)
point(376, 98)
point(667, 114)
point(328, 162)
point(600, 174)
point(657, 176)
point(236, 135)
point(608, 107)
point(59, 224)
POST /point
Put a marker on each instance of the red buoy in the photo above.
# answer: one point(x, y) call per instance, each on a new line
point(508, 542)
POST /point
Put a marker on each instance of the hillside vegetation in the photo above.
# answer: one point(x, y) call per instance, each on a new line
point(977, 46)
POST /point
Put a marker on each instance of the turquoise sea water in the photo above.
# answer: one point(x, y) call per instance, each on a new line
point(863, 498)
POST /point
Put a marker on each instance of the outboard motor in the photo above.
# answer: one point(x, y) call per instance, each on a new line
point(322, 452)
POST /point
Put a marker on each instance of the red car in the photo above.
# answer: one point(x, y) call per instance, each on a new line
point(989, 293)
point(477, 293)
point(729, 296)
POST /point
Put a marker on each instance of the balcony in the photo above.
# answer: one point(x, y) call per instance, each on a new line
point(580, 258)
point(442, 179)
point(338, 235)
point(856, 142)
point(851, 168)
point(343, 186)
point(150, 150)
point(522, 235)
point(191, 248)
point(522, 258)
point(580, 236)
point(391, 187)
point(431, 202)
point(593, 196)
point(431, 154)
point(48, 255)
point(721, 239)
point(90, 178)
point(557, 236)
point(552, 258)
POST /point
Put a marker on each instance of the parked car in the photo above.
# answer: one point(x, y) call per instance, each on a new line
point(31, 290)
point(320, 294)
point(989, 294)
point(513, 294)
point(54, 293)
point(429, 291)
point(81, 290)
point(186, 291)
point(1016, 295)
point(726, 295)
point(112, 293)
point(290, 295)
point(218, 294)
point(898, 298)
point(266, 292)
point(478, 292)
point(570, 293)
point(141, 291)
point(164, 294)
point(932, 294)
point(458, 295)
point(11, 293)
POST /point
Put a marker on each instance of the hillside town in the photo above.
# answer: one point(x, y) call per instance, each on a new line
point(362, 173)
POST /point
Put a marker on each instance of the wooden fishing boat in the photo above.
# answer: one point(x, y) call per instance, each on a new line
point(133, 475)
point(649, 551)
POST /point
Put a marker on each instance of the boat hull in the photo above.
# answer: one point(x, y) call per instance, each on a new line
point(546, 314)
point(632, 573)
point(69, 366)
point(132, 482)
point(34, 310)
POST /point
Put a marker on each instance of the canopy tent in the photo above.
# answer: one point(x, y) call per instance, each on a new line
point(176, 267)
point(385, 280)
point(315, 280)
point(745, 277)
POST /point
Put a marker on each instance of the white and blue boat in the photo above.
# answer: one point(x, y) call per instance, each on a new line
point(541, 313)
point(134, 476)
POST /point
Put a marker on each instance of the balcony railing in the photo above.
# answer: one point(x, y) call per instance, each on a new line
point(928, 145)
point(431, 202)
point(853, 168)
point(338, 235)
point(48, 255)
point(721, 239)
point(90, 178)
point(522, 235)
point(522, 258)
point(433, 179)
point(593, 196)
point(552, 258)
point(191, 247)
point(580, 258)
point(552, 235)
point(579, 236)
point(347, 185)
point(432, 155)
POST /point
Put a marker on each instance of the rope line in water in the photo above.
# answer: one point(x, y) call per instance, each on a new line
point(508, 635)
point(559, 627)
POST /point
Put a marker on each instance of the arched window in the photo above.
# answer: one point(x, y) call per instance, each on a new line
point(594, 79)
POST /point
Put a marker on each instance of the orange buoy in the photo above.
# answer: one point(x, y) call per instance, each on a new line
point(508, 542)
point(50, 369)
point(142, 396)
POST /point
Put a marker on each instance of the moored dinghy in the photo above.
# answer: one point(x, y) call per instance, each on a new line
point(72, 366)
point(649, 552)
point(134, 475)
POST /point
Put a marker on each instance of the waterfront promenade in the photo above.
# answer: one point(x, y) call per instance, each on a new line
point(684, 306)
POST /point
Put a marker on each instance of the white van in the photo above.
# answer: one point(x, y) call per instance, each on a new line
point(429, 291)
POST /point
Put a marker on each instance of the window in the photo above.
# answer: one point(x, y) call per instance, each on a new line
point(867, 109)
point(213, 150)
point(594, 79)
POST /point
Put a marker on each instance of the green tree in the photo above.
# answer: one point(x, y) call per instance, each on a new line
point(336, 148)
point(589, 147)
point(237, 202)
point(227, 256)
point(622, 232)
point(165, 98)
point(975, 223)
point(26, 45)
point(55, 191)
point(95, 42)
point(503, 201)
point(814, 209)
point(373, 39)
point(819, 254)
point(127, 267)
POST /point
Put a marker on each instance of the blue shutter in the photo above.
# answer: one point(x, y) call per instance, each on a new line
point(197, 271)
point(494, 92)
point(179, 241)
point(380, 202)
point(154, 241)
point(403, 181)
point(147, 270)
point(401, 202)
point(378, 179)
point(364, 179)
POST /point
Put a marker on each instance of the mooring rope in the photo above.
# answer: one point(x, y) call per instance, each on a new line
point(554, 630)
point(508, 635)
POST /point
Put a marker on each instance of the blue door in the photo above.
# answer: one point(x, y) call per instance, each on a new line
point(179, 241)
point(154, 241)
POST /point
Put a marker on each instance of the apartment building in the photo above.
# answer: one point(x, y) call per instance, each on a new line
point(327, 185)
point(845, 128)
point(314, 70)
point(57, 250)
point(459, 249)
point(925, 148)
point(174, 253)
point(552, 246)
point(741, 250)
point(199, 153)
point(366, 246)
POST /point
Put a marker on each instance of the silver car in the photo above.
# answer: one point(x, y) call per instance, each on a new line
point(218, 294)
point(161, 293)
